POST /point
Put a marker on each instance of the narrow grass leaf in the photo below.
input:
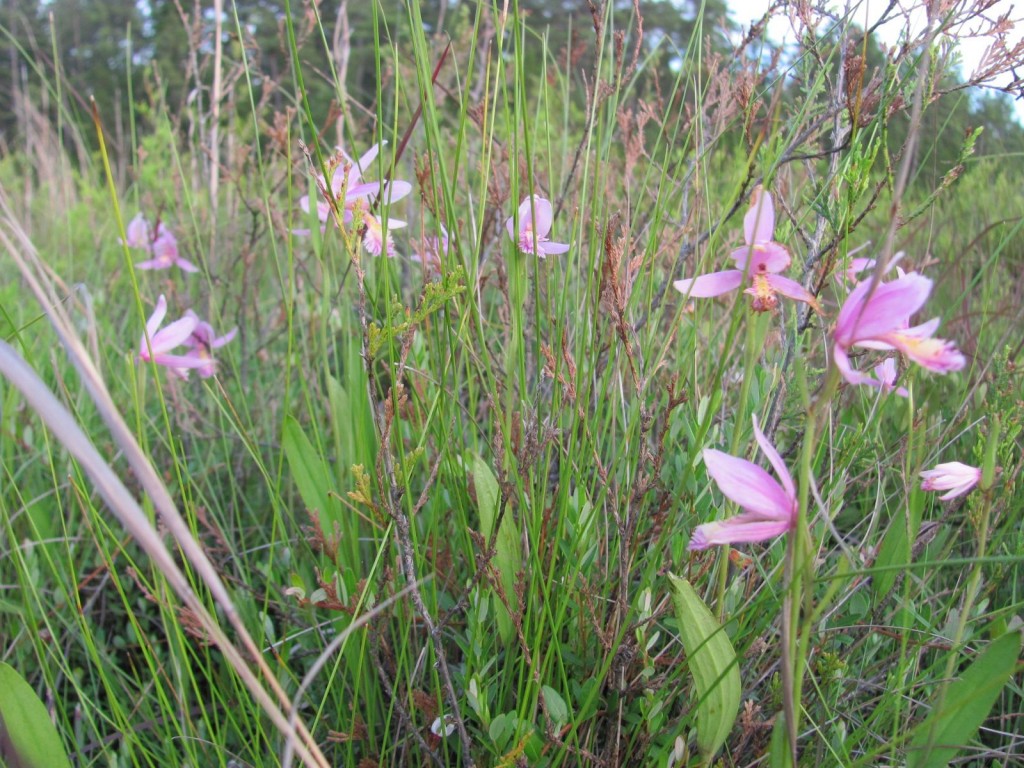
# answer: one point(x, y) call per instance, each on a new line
point(507, 557)
point(28, 736)
point(712, 663)
point(965, 705)
point(310, 473)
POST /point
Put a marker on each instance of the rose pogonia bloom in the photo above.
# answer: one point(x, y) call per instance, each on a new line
point(165, 253)
point(760, 260)
point(880, 319)
point(885, 378)
point(535, 219)
point(769, 508)
point(955, 477)
point(202, 342)
point(350, 191)
point(137, 233)
point(162, 340)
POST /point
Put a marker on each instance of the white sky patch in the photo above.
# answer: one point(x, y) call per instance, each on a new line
point(909, 17)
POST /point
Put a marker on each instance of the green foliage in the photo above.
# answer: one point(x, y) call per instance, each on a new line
point(963, 707)
point(27, 737)
point(494, 460)
point(712, 662)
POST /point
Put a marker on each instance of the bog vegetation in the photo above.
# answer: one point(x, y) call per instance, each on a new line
point(513, 383)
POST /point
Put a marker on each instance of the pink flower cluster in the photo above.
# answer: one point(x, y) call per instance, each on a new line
point(158, 344)
point(162, 245)
point(354, 198)
point(876, 315)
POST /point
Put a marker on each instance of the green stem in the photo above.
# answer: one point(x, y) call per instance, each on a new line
point(799, 570)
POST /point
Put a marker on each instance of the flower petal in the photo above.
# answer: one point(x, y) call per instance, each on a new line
point(793, 290)
point(759, 221)
point(535, 212)
point(888, 308)
point(553, 249)
point(159, 312)
point(775, 460)
point(742, 528)
point(713, 284)
point(749, 486)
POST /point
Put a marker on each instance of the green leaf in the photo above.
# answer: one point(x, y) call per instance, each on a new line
point(779, 754)
point(310, 473)
point(32, 740)
point(712, 663)
point(965, 705)
point(507, 556)
point(556, 706)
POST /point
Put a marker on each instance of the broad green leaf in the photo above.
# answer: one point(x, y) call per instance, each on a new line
point(556, 706)
point(507, 556)
point(310, 473)
point(712, 663)
point(965, 706)
point(31, 736)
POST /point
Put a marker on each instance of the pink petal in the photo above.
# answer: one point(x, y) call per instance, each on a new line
point(396, 190)
point(759, 221)
point(740, 529)
point(156, 318)
point(749, 486)
point(763, 257)
point(159, 263)
point(174, 334)
point(369, 156)
point(792, 289)
point(179, 361)
point(186, 265)
point(535, 212)
point(936, 355)
point(888, 308)
point(552, 249)
point(713, 284)
point(775, 460)
point(216, 343)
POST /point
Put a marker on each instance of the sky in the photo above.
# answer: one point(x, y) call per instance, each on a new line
point(867, 11)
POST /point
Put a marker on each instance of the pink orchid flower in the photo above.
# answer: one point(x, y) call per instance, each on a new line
point(880, 319)
point(535, 219)
point(165, 253)
point(769, 509)
point(156, 343)
point(163, 247)
point(760, 260)
point(885, 378)
point(351, 192)
point(137, 233)
point(202, 342)
point(955, 477)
